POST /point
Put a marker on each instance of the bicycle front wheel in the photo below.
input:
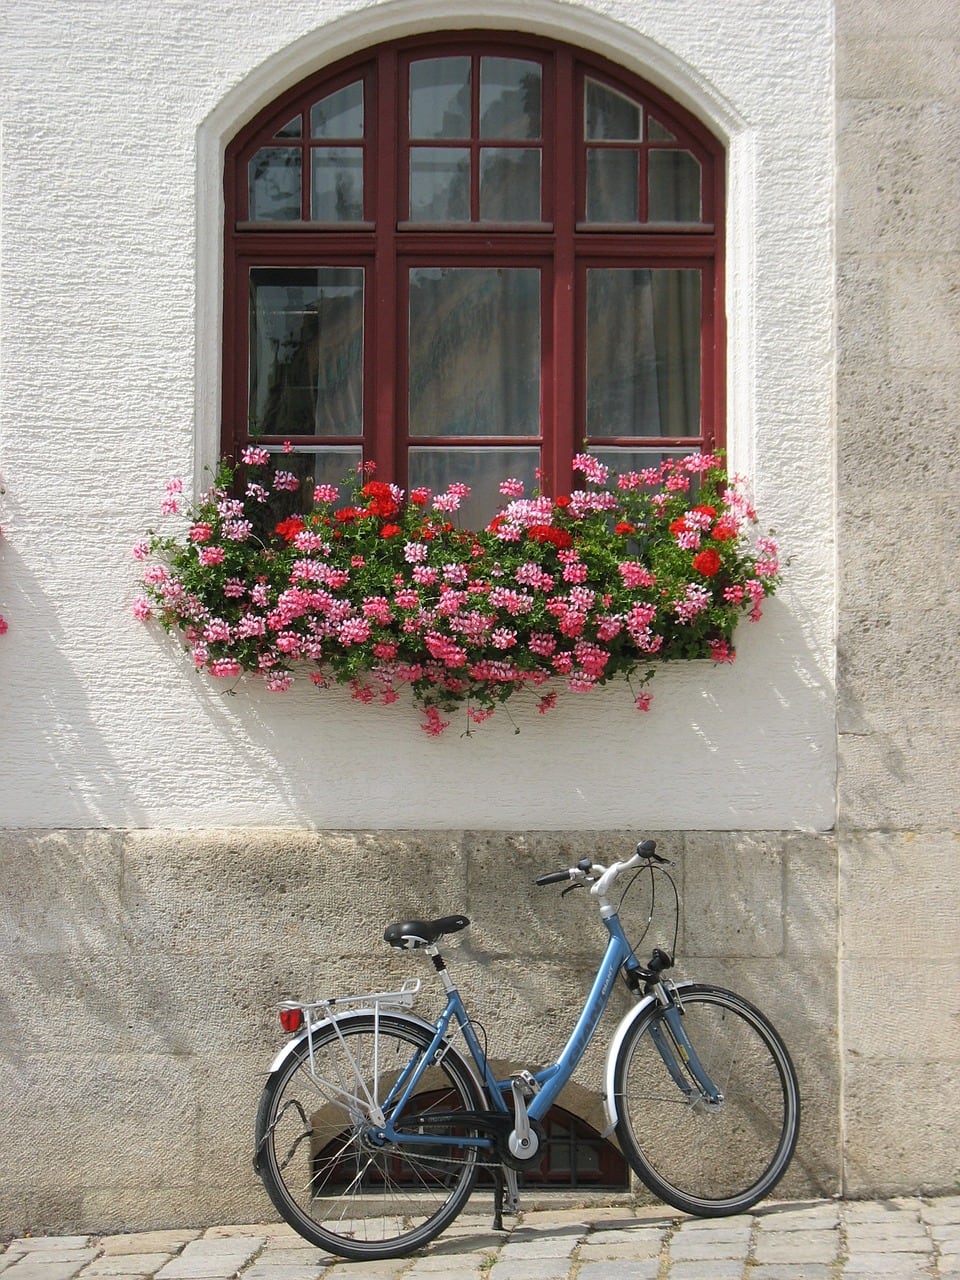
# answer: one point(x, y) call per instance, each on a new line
point(318, 1154)
point(708, 1158)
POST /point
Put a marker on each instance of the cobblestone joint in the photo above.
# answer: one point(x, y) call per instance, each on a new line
point(903, 1239)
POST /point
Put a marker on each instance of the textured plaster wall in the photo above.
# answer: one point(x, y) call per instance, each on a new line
point(139, 974)
point(114, 124)
point(138, 968)
point(898, 401)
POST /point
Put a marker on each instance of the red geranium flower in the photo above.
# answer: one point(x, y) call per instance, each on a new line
point(382, 502)
point(390, 531)
point(547, 533)
point(624, 527)
point(346, 514)
point(289, 528)
point(707, 562)
point(724, 530)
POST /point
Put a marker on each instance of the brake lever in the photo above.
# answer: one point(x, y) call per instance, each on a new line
point(578, 884)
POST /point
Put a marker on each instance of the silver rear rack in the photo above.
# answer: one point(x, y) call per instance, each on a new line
point(402, 999)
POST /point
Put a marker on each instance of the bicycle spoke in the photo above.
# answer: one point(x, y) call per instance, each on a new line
point(704, 1157)
point(348, 1189)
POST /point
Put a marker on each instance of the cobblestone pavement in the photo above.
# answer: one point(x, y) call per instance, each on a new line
point(823, 1240)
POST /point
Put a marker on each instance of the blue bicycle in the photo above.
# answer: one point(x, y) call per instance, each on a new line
point(374, 1125)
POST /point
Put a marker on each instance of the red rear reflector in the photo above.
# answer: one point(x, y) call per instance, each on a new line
point(291, 1019)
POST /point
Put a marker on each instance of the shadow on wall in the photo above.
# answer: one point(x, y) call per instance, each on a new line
point(62, 683)
point(158, 957)
point(746, 746)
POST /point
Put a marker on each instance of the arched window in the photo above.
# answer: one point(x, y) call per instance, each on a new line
point(462, 256)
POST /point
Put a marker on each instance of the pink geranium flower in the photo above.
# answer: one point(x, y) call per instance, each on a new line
point(383, 593)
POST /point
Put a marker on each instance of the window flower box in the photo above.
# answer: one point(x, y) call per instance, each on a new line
point(383, 590)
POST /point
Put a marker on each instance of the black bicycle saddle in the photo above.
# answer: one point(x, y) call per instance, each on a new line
point(409, 934)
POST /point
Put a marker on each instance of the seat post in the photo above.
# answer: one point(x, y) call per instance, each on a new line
point(433, 951)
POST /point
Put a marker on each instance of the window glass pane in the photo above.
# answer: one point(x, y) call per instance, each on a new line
point(510, 184)
point(439, 184)
point(610, 115)
point(674, 187)
point(657, 132)
point(336, 192)
point(626, 459)
point(340, 114)
point(481, 469)
point(643, 352)
point(510, 93)
point(306, 351)
point(474, 351)
point(440, 98)
point(274, 178)
point(313, 466)
point(613, 185)
point(291, 129)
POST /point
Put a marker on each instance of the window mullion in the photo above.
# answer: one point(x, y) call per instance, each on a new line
point(384, 388)
point(562, 387)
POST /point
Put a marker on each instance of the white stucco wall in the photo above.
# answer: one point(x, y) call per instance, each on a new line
point(114, 120)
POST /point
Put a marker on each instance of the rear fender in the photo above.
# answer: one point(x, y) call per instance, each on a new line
point(613, 1053)
point(345, 1019)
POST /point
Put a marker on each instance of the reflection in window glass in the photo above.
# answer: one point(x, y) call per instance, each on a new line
point(643, 352)
point(624, 459)
point(474, 341)
point(610, 116)
point(613, 185)
point(274, 183)
point(306, 351)
point(510, 93)
point(440, 98)
point(336, 194)
point(339, 114)
point(312, 465)
point(674, 186)
point(291, 129)
point(481, 469)
point(439, 184)
point(657, 132)
point(510, 184)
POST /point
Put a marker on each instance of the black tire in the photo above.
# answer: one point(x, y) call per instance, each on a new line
point(333, 1186)
point(709, 1160)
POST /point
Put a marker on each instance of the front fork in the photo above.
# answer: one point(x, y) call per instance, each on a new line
point(675, 1048)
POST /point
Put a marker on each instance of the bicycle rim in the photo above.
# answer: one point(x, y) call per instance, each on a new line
point(709, 1160)
point(325, 1174)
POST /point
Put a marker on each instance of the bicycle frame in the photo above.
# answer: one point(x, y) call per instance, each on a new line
point(549, 1081)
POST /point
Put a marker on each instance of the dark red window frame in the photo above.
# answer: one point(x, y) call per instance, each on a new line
point(385, 240)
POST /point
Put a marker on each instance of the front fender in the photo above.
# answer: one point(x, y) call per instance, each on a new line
point(613, 1053)
point(345, 1019)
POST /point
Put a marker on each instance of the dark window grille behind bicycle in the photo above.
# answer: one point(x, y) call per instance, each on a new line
point(575, 1157)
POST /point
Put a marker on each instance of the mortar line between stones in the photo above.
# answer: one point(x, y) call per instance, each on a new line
point(751, 1257)
point(663, 1272)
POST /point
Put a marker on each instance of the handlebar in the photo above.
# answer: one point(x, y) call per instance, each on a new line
point(603, 877)
point(554, 877)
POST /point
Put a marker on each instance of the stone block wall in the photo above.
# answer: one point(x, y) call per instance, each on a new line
point(140, 971)
point(898, 405)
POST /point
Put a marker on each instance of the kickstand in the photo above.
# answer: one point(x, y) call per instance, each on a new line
point(506, 1196)
point(499, 1190)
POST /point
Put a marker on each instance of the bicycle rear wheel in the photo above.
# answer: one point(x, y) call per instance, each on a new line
point(709, 1159)
point(320, 1161)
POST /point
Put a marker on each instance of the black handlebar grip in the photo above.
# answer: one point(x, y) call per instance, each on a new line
point(552, 877)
